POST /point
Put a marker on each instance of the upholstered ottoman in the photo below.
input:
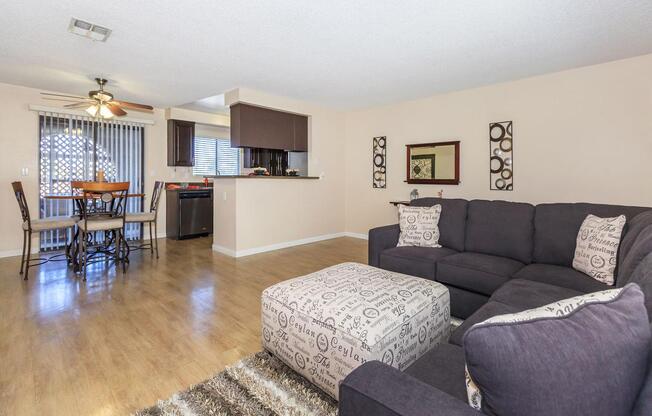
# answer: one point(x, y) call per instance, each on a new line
point(327, 323)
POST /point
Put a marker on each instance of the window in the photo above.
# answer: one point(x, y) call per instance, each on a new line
point(75, 148)
point(215, 157)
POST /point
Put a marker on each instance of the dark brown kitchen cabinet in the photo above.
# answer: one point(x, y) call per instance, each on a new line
point(300, 133)
point(264, 128)
point(181, 143)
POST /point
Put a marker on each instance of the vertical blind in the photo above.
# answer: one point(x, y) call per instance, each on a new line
point(215, 157)
point(75, 148)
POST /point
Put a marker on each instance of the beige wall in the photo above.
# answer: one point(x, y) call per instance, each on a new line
point(224, 215)
point(19, 142)
point(579, 135)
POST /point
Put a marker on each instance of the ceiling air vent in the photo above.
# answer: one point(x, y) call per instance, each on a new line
point(88, 30)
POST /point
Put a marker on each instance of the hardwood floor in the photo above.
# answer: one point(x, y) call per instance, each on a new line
point(118, 342)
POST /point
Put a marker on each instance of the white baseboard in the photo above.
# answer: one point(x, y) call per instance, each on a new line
point(224, 250)
point(285, 244)
point(357, 235)
point(240, 253)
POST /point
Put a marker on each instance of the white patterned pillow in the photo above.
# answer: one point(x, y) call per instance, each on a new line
point(596, 250)
point(560, 309)
point(419, 226)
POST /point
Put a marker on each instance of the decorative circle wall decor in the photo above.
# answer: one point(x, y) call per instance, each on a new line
point(501, 164)
point(492, 132)
point(382, 141)
point(379, 172)
point(501, 156)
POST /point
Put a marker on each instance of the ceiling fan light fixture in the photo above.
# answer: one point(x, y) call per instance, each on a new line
point(99, 103)
point(105, 112)
point(92, 110)
point(100, 95)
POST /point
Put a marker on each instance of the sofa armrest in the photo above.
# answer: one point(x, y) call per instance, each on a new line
point(382, 238)
point(380, 390)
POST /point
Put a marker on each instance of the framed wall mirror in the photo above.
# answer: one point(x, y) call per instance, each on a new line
point(433, 163)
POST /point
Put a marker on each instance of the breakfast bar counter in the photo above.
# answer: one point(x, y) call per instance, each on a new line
point(260, 177)
point(253, 214)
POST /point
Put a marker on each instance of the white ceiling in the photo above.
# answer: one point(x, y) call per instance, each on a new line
point(342, 53)
point(213, 104)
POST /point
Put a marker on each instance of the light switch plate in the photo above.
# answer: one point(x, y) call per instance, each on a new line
point(24, 171)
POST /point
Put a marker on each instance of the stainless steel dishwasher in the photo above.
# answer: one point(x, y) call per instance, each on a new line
point(189, 213)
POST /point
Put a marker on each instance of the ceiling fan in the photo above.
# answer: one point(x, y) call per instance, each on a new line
point(99, 103)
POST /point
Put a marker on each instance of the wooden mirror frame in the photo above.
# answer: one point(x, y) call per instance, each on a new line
point(455, 181)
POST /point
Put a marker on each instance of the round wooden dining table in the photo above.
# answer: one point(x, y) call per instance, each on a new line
point(72, 248)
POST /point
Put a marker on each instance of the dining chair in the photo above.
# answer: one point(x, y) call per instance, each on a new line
point(30, 226)
point(149, 218)
point(103, 209)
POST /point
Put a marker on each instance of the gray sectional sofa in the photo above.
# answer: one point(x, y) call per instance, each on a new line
point(489, 245)
point(496, 257)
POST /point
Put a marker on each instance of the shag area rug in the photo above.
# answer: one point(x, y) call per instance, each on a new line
point(257, 385)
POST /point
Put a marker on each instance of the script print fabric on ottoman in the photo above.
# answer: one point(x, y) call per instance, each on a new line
point(326, 324)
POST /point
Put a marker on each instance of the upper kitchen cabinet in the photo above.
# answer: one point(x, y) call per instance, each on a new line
point(265, 128)
point(181, 143)
point(300, 133)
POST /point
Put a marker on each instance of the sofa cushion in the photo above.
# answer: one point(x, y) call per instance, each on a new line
point(488, 310)
point(500, 228)
point(442, 367)
point(642, 276)
point(581, 356)
point(560, 276)
point(643, 405)
point(527, 294)
point(419, 226)
point(596, 247)
point(452, 222)
point(636, 252)
point(478, 272)
point(635, 226)
point(464, 302)
point(415, 261)
point(556, 227)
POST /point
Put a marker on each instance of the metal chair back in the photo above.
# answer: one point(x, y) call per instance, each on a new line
point(156, 196)
point(22, 203)
point(104, 199)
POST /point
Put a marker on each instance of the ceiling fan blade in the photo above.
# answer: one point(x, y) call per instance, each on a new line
point(66, 100)
point(77, 105)
point(134, 106)
point(64, 95)
point(115, 109)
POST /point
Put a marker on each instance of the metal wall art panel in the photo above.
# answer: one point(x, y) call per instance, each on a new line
point(380, 162)
point(501, 156)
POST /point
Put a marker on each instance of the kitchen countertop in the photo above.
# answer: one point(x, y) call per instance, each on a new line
point(260, 177)
point(203, 188)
